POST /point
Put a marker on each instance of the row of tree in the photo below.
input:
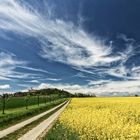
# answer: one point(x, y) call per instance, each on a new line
point(46, 93)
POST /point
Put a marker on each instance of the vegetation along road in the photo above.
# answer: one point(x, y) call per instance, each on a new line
point(38, 130)
point(24, 123)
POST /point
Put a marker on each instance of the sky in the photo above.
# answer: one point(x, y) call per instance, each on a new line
point(88, 46)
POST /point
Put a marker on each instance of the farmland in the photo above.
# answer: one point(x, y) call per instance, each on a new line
point(99, 119)
point(16, 102)
point(16, 109)
point(13, 116)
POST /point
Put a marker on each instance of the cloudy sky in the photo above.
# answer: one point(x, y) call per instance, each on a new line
point(90, 46)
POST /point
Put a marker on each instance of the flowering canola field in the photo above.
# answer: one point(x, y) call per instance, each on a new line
point(99, 119)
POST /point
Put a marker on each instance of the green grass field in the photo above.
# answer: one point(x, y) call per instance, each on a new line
point(16, 102)
point(17, 134)
point(16, 114)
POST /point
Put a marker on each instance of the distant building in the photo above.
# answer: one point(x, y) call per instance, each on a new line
point(32, 91)
point(18, 94)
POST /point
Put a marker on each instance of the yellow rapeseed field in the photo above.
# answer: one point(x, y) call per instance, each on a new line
point(99, 119)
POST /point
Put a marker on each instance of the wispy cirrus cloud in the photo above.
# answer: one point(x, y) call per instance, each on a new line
point(8, 63)
point(8, 68)
point(64, 42)
point(34, 81)
point(36, 69)
point(98, 82)
point(6, 86)
point(8, 59)
point(53, 79)
point(60, 41)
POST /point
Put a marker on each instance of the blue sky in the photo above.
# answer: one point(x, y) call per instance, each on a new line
point(81, 46)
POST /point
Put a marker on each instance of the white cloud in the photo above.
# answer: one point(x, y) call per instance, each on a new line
point(53, 79)
point(36, 70)
point(42, 86)
point(34, 81)
point(69, 87)
point(125, 38)
point(64, 42)
point(7, 59)
point(121, 71)
point(8, 63)
point(61, 41)
point(107, 88)
point(6, 86)
point(98, 82)
point(130, 87)
point(80, 74)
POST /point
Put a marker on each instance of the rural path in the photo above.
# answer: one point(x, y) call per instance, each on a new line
point(12, 129)
point(36, 132)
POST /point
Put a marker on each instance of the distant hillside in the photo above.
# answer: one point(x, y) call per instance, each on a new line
point(52, 91)
point(48, 91)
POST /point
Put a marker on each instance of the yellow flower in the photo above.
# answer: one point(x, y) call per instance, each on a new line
point(103, 118)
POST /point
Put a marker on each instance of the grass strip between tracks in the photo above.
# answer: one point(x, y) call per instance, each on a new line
point(17, 134)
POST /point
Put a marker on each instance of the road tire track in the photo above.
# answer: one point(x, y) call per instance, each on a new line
point(36, 132)
point(13, 128)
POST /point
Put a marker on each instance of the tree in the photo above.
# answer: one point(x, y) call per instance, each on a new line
point(38, 101)
point(27, 98)
point(45, 99)
point(4, 98)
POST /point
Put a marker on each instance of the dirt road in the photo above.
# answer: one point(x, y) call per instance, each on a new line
point(38, 130)
point(24, 123)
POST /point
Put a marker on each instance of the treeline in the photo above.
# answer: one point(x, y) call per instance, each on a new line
point(84, 95)
point(35, 97)
point(32, 97)
point(48, 91)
